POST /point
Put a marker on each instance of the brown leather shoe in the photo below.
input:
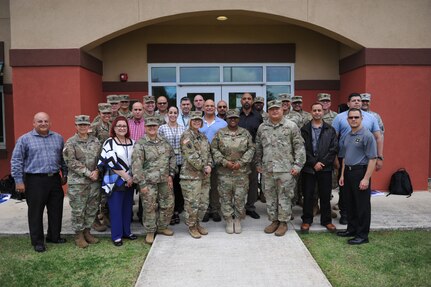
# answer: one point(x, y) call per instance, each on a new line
point(282, 229)
point(331, 227)
point(272, 227)
point(305, 227)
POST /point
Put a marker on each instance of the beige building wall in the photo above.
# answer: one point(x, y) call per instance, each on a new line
point(82, 23)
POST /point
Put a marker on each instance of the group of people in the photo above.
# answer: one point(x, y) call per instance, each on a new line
point(202, 163)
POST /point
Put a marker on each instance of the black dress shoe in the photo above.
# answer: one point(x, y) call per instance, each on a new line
point(252, 214)
point(206, 217)
point(345, 233)
point(177, 218)
point(39, 248)
point(118, 243)
point(58, 241)
point(216, 216)
point(131, 237)
point(343, 220)
point(357, 241)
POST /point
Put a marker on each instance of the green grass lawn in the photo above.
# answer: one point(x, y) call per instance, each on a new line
point(101, 264)
point(392, 258)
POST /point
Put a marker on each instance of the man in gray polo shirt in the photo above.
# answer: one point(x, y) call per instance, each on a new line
point(359, 153)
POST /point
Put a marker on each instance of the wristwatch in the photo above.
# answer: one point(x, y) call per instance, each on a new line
point(380, 157)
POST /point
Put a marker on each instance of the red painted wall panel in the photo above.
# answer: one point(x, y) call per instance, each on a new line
point(401, 95)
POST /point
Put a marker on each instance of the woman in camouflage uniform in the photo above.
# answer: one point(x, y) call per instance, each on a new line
point(233, 150)
point(80, 154)
point(195, 174)
point(154, 167)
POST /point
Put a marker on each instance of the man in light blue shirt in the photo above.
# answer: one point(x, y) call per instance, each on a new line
point(211, 125)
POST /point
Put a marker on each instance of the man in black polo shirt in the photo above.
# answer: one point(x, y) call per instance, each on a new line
point(250, 120)
point(359, 153)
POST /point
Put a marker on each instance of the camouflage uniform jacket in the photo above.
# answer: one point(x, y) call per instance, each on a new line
point(81, 157)
point(279, 147)
point(379, 121)
point(196, 153)
point(100, 131)
point(235, 146)
point(306, 117)
point(294, 117)
point(329, 117)
point(152, 161)
point(127, 115)
point(97, 119)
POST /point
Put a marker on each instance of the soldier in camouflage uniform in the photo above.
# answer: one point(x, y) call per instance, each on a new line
point(328, 114)
point(154, 166)
point(366, 100)
point(149, 110)
point(259, 103)
point(124, 107)
point(114, 101)
point(280, 156)
point(233, 150)
point(287, 112)
point(80, 154)
point(101, 130)
point(297, 107)
point(195, 174)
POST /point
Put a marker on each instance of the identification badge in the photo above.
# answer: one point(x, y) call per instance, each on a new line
point(176, 150)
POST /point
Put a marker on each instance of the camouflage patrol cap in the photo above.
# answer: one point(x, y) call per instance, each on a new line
point(284, 97)
point(82, 120)
point(232, 113)
point(323, 97)
point(149, 99)
point(196, 115)
point(259, 100)
point(152, 121)
point(366, 97)
point(104, 107)
point(274, 104)
point(113, 99)
point(296, 99)
point(124, 98)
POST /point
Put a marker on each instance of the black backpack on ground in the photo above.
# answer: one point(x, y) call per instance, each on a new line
point(401, 183)
point(7, 185)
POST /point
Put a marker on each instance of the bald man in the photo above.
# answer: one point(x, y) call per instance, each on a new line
point(36, 163)
point(198, 102)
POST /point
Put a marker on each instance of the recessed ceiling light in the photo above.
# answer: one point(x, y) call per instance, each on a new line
point(221, 18)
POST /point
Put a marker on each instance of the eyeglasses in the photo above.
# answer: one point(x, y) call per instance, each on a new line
point(353, 117)
point(162, 103)
point(222, 107)
point(121, 127)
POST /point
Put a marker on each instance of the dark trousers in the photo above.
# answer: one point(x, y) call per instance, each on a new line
point(323, 179)
point(253, 188)
point(179, 199)
point(342, 205)
point(359, 203)
point(120, 212)
point(41, 191)
point(214, 204)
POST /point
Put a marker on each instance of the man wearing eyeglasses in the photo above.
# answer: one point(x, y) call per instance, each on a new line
point(342, 127)
point(359, 153)
point(222, 109)
point(162, 109)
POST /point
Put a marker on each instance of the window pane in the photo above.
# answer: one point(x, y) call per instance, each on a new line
point(170, 92)
point(242, 74)
point(278, 74)
point(163, 75)
point(273, 91)
point(200, 75)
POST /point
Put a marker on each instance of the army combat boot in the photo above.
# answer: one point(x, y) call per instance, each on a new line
point(194, 232)
point(149, 238)
point(89, 237)
point(98, 226)
point(80, 240)
point(229, 225)
point(165, 231)
point(201, 230)
point(272, 227)
point(281, 230)
point(237, 224)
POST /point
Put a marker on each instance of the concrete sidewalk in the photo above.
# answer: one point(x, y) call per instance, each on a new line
point(252, 258)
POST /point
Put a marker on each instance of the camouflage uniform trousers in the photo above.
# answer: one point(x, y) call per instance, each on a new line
point(233, 189)
point(84, 201)
point(279, 192)
point(196, 199)
point(158, 204)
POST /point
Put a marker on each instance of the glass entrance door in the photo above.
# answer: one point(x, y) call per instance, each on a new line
point(207, 92)
point(232, 94)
